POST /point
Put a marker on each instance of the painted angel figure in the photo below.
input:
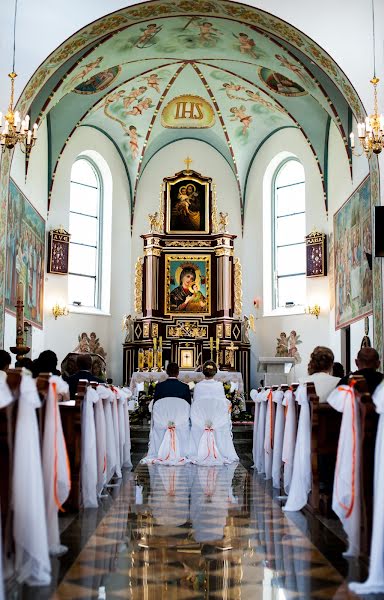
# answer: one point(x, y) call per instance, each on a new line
point(293, 341)
point(83, 345)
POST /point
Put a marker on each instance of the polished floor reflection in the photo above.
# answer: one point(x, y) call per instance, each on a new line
point(198, 532)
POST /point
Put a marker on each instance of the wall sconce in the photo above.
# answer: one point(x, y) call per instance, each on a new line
point(313, 310)
point(59, 311)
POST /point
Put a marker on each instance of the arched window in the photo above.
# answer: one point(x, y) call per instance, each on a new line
point(288, 234)
point(85, 227)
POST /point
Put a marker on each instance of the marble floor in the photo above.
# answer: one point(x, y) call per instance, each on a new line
point(197, 532)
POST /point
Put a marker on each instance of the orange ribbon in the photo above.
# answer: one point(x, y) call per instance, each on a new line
point(210, 430)
point(172, 429)
point(348, 509)
point(56, 457)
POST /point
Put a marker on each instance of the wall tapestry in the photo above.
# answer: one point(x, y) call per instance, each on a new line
point(352, 240)
point(187, 288)
point(25, 255)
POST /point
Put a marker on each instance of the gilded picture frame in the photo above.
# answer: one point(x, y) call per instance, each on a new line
point(187, 284)
point(187, 206)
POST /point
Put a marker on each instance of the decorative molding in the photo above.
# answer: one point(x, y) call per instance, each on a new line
point(139, 285)
point(238, 287)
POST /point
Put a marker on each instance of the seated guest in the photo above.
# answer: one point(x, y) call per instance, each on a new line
point(367, 362)
point(172, 387)
point(5, 361)
point(338, 370)
point(45, 363)
point(25, 362)
point(319, 372)
point(209, 388)
point(84, 366)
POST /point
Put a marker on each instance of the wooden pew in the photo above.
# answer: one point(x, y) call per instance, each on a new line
point(71, 422)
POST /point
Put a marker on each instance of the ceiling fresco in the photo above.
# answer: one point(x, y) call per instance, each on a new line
point(256, 76)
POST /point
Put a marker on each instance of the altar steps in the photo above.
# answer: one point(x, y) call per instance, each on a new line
point(242, 438)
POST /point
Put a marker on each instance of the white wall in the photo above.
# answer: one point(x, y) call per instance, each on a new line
point(312, 331)
point(61, 335)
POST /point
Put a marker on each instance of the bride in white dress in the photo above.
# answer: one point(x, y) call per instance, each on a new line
point(209, 388)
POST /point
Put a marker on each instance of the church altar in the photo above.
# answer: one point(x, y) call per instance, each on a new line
point(186, 377)
point(188, 288)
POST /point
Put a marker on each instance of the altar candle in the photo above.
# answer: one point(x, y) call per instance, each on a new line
point(150, 358)
point(217, 343)
point(155, 344)
point(211, 343)
point(161, 342)
point(159, 359)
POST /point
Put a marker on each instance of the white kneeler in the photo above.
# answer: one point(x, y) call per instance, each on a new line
point(254, 394)
point(260, 435)
point(346, 499)
point(169, 435)
point(268, 435)
point(375, 582)
point(211, 433)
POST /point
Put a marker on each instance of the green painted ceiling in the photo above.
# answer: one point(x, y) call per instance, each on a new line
point(256, 84)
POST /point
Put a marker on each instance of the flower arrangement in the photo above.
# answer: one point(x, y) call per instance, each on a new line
point(142, 414)
point(239, 408)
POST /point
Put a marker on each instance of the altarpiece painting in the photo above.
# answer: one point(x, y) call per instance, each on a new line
point(187, 289)
point(187, 206)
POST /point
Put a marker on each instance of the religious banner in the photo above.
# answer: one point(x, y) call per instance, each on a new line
point(187, 288)
point(25, 256)
point(187, 205)
point(316, 254)
point(58, 251)
point(188, 112)
point(352, 241)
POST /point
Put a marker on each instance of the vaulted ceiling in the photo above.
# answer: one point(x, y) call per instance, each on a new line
point(257, 73)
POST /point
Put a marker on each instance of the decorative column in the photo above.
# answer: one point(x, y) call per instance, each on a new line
point(152, 253)
point(224, 254)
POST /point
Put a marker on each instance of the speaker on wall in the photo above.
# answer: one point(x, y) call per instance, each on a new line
point(379, 230)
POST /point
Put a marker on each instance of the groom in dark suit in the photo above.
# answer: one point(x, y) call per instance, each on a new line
point(172, 387)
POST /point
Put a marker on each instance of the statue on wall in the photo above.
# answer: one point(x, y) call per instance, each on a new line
point(128, 326)
point(223, 222)
point(282, 345)
point(287, 346)
point(89, 345)
point(247, 324)
point(83, 345)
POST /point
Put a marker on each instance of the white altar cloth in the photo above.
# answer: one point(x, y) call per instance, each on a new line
point(185, 376)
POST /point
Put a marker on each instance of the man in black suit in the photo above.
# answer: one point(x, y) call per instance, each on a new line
point(172, 387)
point(367, 362)
point(84, 366)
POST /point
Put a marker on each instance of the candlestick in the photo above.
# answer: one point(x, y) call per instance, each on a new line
point(159, 360)
point(150, 359)
point(20, 349)
point(161, 342)
point(217, 343)
point(140, 359)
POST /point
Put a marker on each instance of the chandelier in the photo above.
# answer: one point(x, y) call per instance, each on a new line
point(371, 131)
point(13, 128)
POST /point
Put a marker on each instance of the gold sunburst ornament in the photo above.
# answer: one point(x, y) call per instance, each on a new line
point(13, 128)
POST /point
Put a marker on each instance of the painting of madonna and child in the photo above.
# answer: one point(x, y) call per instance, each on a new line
point(187, 284)
point(187, 206)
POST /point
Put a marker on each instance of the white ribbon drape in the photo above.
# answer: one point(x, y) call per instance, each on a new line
point(254, 394)
point(268, 435)
point(302, 473)
point(289, 439)
point(88, 451)
point(56, 472)
point(29, 526)
point(346, 500)
point(260, 460)
point(375, 582)
point(278, 396)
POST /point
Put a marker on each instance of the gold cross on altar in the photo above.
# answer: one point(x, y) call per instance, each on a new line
point(232, 347)
point(188, 162)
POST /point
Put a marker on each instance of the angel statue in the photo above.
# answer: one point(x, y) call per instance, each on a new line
point(293, 341)
point(153, 222)
point(83, 345)
point(223, 222)
point(282, 345)
point(94, 345)
point(128, 326)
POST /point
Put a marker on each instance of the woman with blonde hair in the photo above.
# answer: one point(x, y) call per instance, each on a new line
point(319, 372)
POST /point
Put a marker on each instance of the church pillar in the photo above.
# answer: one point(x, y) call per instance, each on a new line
point(224, 254)
point(152, 253)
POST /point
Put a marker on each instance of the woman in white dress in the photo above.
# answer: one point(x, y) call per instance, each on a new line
point(319, 372)
point(209, 388)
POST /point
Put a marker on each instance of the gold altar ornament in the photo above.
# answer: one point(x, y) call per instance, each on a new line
point(230, 354)
point(159, 359)
point(238, 288)
point(138, 285)
point(150, 359)
point(154, 344)
point(140, 359)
